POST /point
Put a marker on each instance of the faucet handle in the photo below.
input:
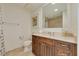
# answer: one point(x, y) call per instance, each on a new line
point(49, 33)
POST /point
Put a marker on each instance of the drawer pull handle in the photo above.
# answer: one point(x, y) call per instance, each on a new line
point(63, 45)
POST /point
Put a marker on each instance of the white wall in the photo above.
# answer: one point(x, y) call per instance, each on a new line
point(70, 19)
point(16, 14)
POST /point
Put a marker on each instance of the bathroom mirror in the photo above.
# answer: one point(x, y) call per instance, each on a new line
point(53, 15)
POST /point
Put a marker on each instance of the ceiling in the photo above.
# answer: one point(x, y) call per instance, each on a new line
point(27, 6)
point(33, 6)
point(49, 10)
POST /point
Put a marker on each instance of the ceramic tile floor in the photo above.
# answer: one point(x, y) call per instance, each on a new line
point(19, 52)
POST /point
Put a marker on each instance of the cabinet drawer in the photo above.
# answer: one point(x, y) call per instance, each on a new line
point(48, 41)
point(64, 48)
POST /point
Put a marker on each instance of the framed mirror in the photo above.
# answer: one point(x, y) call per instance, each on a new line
point(53, 15)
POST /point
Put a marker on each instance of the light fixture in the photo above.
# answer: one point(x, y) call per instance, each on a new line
point(55, 10)
point(53, 3)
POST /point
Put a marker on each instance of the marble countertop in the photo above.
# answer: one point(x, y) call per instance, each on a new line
point(59, 37)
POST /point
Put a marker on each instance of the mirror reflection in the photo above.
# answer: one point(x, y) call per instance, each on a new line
point(53, 15)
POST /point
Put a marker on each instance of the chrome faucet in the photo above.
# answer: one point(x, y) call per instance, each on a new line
point(51, 33)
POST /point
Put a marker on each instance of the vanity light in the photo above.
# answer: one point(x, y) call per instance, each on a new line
point(55, 10)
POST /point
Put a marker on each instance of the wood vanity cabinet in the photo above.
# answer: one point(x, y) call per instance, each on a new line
point(42, 46)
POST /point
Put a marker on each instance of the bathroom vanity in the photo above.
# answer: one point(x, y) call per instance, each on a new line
point(48, 41)
point(51, 46)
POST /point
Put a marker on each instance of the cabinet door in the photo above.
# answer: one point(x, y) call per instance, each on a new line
point(49, 50)
point(34, 38)
point(63, 49)
point(41, 48)
point(74, 47)
point(46, 48)
point(37, 46)
point(33, 44)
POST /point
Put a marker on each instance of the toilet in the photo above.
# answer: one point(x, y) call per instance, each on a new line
point(27, 46)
